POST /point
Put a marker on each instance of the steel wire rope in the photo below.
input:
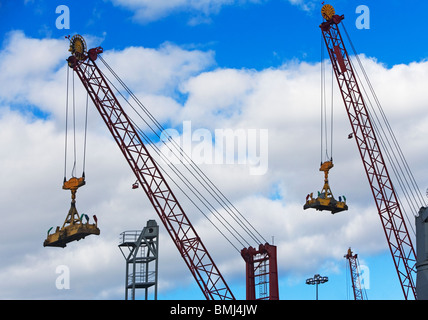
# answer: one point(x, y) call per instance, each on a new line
point(73, 171)
point(85, 135)
point(392, 158)
point(398, 177)
point(150, 143)
point(381, 136)
point(395, 142)
point(222, 201)
point(190, 186)
point(175, 170)
point(181, 176)
point(73, 125)
point(394, 139)
point(322, 94)
point(212, 186)
point(74, 129)
point(394, 165)
point(193, 189)
point(324, 124)
point(66, 126)
point(331, 113)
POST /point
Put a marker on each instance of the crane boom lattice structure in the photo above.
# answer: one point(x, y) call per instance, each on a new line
point(187, 241)
point(355, 275)
point(387, 203)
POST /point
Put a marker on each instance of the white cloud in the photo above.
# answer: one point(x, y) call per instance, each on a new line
point(146, 11)
point(285, 101)
point(158, 70)
point(200, 11)
point(306, 5)
point(21, 77)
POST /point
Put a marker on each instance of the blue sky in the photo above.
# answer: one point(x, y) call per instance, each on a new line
point(257, 42)
point(251, 35)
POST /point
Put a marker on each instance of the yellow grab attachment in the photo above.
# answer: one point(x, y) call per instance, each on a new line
point(325, 199)
point(73, 227)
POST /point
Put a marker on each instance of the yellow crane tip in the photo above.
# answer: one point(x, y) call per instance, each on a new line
point(327, 11)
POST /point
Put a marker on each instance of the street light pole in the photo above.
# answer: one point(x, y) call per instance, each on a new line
point(316, 280)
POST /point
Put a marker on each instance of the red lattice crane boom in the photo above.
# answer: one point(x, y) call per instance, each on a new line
point(387, 203)
point(172, 215)
point(355, 275)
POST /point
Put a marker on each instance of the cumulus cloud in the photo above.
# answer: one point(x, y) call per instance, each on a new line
point(17, 70)
point(284, 100)
point(158, 70)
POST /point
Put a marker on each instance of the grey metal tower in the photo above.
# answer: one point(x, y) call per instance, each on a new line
point(140, 250)
point(422, 254)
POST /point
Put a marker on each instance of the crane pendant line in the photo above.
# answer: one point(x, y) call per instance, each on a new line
point(393, 223)
point(187, 241)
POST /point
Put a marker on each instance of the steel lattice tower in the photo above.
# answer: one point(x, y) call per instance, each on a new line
point(141, 259)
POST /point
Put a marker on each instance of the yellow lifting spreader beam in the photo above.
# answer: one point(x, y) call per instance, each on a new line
point(73, 228)
point(325, 199)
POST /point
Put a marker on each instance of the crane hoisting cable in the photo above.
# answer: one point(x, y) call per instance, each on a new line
point(73, 228)
point(373, 148)
point(151, 177)
point(325, 199)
